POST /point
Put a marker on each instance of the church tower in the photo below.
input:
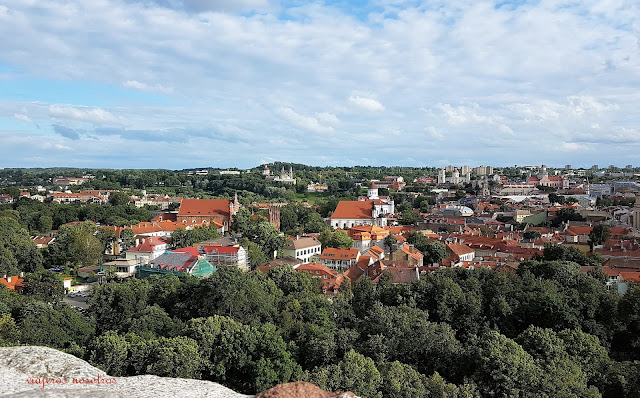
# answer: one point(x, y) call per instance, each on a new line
point(442, 176)
point(372, 192)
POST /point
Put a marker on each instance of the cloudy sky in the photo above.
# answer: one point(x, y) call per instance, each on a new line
point(223, 83)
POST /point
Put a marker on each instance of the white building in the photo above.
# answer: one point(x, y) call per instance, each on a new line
point(303, 248)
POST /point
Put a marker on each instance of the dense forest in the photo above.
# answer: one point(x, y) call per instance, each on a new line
point(548, 330)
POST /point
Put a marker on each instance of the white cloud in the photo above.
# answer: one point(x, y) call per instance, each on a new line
point(434, 133)
point(366, 103)
point(84, 114)
point(572, 147)
point(55, 146)
point(156, 88)
point(479, 71)
point(22, 117)
point(327, 118)
point(305, 122)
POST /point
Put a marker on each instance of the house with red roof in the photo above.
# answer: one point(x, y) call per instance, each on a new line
point(303, 248)
point(147, 249)
point(13, 282)
point(339, 259)
point(208, 211)
point(399, 270)
point(366, 236)
point(42, 241)
point(577, 234)
point(330, 279)
point(350, 213)
point(460, 252)
point(220, 256)
point(375, 252)
point(408, 253)
point(177, 263)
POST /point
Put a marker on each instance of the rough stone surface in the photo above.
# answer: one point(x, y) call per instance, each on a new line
point(19, 365)
point(301, 389)
point(23, 369)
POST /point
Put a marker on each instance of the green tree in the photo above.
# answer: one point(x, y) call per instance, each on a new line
point(434, 252)
point(119, 198)
point(114, 304)
point(390, 242)
point(110, 352)
point(599, 233)
point(242, 221)
point(340, 239)
point(248, 298)
point(107, 238)
point(127, 239)
point(59, 326)
point(9, 332)
point(17, 250)
point(503, 368)
point(354, 372)
point(532, 235)
point(153, 322)
point(45, 285)
point(292, 282)
point(409, 217)
point(255, 253)
point(245, 358)
point(172, 357)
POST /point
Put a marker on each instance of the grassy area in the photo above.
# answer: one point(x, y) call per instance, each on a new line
point(310, 197)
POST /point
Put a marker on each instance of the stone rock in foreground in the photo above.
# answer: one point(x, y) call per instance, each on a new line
point(45, 372)
point(301, 389)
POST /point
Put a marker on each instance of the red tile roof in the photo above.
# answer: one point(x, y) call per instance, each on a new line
point(148, 245)
point(578, 230)
point(17, 282)
point(204, 207)
point(331, 253)
point(353, 209)
point(459, 249)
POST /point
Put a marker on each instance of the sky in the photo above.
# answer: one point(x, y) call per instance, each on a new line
point(236, 83)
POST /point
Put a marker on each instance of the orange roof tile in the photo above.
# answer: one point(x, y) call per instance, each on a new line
point(204, 207)
point(459, 249)
point(353, 209)
point(16, 283)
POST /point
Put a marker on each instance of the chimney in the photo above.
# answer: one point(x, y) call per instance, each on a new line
point(21, 274)
point(9, 280)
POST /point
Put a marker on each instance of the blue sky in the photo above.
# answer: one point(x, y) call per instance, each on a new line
point(224, 83)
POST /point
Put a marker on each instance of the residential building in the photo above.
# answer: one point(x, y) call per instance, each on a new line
point(410, 254)
point(339, 259)
point(147, 249)
point(369, 210)
point(366, 236)
point(177, 263)
point(13, 282)
point(460, 252)
point(203, 211)
point(303, 248)
point(331, 280)
point(42, 242)
point(220, 256)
